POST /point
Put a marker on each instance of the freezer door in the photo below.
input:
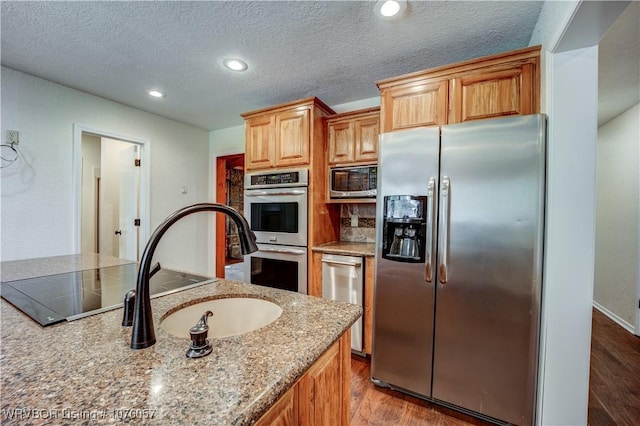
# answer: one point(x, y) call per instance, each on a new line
point(489, 265)
point(404, 299)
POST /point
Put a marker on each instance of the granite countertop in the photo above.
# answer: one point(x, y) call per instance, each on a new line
point(85, 371)
point(347, 248)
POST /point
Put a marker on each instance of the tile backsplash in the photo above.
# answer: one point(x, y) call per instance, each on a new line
point(365, 216)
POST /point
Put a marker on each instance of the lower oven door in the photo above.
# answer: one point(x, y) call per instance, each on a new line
point(283, 267)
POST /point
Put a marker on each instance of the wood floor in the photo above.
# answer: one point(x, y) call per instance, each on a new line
point(614, 396)
point(614, 383)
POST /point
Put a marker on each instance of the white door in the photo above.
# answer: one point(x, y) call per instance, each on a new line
point(128, 211)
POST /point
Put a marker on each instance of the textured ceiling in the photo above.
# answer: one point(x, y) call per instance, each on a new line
point(333, 50)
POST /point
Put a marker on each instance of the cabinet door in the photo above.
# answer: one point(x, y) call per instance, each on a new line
point(490, 94)
point(282, 413)
point(292, 138)
point(366, 139)
point(320, 391)
point(340, 142)
point(405, 107)
point(260, 145)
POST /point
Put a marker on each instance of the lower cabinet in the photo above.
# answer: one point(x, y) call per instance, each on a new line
point(321, 396)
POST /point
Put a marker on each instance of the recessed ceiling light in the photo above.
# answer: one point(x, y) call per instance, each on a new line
point(390, 8)
point(156, 94)
point(235, 64)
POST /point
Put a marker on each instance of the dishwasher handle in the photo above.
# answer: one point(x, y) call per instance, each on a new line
point(341, 262)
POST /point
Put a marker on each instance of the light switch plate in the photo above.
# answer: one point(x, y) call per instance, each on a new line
point(13, 137)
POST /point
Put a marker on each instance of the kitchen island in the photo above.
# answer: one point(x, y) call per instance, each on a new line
point(84, 370)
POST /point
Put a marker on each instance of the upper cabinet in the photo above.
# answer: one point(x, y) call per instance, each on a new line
point(281, 136)
point(493, 86)
point(353, 136)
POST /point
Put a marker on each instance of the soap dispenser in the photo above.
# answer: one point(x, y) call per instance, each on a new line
point(200, 346)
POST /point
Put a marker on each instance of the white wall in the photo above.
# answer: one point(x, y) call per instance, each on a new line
point(569, 33)
point(37, 193)
point(617, 217)
point(572, 84)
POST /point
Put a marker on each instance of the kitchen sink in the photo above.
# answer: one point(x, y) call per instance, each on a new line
point(232, 316)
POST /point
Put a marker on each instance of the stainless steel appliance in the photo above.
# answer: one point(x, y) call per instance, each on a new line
point(353, 182)
point(283, 267)
point(459, 264)
point(342, 280)
point(276, 207)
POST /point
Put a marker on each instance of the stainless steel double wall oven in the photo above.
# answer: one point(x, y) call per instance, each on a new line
point(276, 208)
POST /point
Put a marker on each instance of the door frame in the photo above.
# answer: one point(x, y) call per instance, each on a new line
point(76, 179)
point(221, 197)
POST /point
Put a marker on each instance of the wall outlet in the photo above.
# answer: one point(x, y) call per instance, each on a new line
point(13, 137)
point(354, 220)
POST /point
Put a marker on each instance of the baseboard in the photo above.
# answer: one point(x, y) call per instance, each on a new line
point(615, 318)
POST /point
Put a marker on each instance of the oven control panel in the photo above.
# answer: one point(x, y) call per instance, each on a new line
point(282, 178)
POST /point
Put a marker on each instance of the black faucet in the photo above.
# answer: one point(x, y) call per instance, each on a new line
point(143, 333)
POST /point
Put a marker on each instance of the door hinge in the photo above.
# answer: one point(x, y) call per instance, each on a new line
point(136, 162)
point(136, 222)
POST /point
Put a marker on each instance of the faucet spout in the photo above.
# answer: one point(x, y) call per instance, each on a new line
point(143, 333)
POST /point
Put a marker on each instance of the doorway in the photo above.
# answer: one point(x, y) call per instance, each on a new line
point(111, 183)
point(229, 191)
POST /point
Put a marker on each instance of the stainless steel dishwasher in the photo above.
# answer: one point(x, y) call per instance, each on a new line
point(342, 279)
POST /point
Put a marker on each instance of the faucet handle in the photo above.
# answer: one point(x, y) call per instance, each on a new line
point(129, 305)
point(155, 269)
point(200, 346)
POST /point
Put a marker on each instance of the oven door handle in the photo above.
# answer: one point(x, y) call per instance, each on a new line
point(285, 251)
point(269, 193)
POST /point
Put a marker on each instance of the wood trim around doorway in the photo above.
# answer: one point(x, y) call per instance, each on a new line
point(222, 163)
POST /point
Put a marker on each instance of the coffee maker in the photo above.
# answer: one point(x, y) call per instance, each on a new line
point(404, 227)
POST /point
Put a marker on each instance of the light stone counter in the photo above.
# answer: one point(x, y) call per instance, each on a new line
point(85, 372)
point(347, 248)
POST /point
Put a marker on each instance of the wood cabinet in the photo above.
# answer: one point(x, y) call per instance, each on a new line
point(283, 135)
point(411, 105)
point(319, 391)
point(321, 396)
point(353, 137)
point(283, 413)
point(493, 86)
point(293, 135)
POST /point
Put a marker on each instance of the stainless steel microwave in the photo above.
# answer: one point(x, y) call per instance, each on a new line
point(353, 182)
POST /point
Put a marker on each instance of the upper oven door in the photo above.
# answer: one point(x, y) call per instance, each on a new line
point(278, 215)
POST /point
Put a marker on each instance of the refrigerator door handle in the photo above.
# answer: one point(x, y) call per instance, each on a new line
point(444, 229)
point(431, 204)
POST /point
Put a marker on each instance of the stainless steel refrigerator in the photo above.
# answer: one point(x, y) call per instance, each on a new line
point(460, 216)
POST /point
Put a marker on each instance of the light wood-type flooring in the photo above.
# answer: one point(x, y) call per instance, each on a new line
point(614, 396)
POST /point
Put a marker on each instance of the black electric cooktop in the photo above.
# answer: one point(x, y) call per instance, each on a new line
point(55, 298)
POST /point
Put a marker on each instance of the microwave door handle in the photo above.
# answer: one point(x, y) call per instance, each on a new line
point(268, 193)
point(431, 204)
